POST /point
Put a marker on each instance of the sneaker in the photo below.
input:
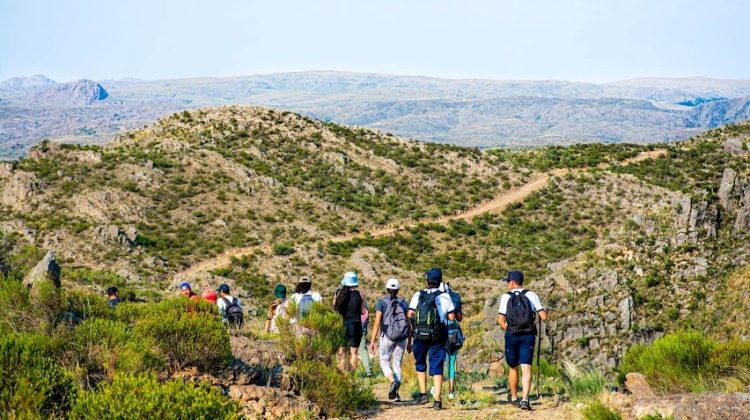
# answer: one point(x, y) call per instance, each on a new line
point(393, 391)
point(511, 401)
point(421, 399)
point(525, 405)
point(451, 396)
point(437, 405)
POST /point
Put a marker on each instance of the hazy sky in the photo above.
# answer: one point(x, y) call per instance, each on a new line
point(595, 40)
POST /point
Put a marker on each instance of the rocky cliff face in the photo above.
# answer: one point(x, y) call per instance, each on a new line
point(734, 196)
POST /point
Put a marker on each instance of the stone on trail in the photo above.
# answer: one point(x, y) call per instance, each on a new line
point(637, 385)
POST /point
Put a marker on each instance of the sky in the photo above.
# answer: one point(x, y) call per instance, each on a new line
point(579, 40)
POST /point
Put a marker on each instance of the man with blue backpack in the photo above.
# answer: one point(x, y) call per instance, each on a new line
point(517, 316)
point(394, 331)
point(432, 313)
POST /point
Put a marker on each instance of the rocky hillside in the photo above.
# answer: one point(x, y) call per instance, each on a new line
point(621, 253)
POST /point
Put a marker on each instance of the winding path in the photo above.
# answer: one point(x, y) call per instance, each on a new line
point(495, 206)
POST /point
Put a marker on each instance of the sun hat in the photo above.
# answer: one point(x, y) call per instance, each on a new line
point(350, 279)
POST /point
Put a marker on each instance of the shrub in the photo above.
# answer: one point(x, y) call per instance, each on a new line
point(102, 347)
point(143, 396)
point(598, 411)
point(677, 362)
point(187, 334)
point(32, 382)
point(583, 384)
point(283, 249)
point(336, 393)
point(316, 337)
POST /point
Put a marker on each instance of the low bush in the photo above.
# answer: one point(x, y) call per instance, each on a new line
point(598, 411)
point(144, 396)
point(315, 337)
point(32, 383)
point(337, 393)
point(187, 334)
point(583, 384)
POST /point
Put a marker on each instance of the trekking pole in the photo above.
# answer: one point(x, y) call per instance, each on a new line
point(538, 355)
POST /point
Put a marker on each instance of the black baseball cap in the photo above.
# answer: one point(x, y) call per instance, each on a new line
point(515, 276)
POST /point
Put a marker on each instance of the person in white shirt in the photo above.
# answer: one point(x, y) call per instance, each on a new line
point(431, 334)
point(517, 316)
point(303, 299)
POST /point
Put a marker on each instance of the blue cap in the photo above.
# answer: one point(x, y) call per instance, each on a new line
point(185, 285)
point(350, 279)
point(515, 276)
point(223, 288)
point(434, 276)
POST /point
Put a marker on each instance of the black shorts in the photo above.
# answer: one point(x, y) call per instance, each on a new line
point(353, 332)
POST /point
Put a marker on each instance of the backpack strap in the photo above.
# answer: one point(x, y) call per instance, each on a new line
point(226, 301)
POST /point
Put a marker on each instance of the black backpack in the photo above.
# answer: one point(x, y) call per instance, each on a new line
point(520, 314)
point(233, 311)
point(428, 325)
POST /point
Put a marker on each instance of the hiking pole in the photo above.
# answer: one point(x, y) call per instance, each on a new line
point(538, 354)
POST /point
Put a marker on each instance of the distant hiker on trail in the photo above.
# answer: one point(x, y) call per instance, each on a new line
point(364, 355)
point(229, 308)
point(518, 310)
point(350, 303)
point(431, 312)
point(275, 308)
point(113, 297)
point(210, 296)
point(187, 291)
point(455, 338)
point(304, 299)
point(393, 329)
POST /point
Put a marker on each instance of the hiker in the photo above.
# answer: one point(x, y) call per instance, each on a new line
point(393, 329)
point(187, 291)
point(304, 299)
point(350, 303)
point(229, 308)
point(517, 316)
point(455, 338)
point(209, 296)
point(275, 309)
point(113, 297)
point(364, 355)
point(431, 312)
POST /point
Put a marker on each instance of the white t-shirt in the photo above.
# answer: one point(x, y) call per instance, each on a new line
point(443, 302)
point(533, 298)
point(223, 305)
point(298, 297)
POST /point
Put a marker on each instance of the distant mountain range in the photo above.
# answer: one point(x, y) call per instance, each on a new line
point(480, 113)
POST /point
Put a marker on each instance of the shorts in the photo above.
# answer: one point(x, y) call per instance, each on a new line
point(353, 333)
point(435, 351)
point(519, 349)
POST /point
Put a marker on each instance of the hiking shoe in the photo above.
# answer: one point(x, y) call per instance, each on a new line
point(525, 405)
point(511, 401)
point(421, 399)
point(393, 391)
point(437, 405)
point(451, 396)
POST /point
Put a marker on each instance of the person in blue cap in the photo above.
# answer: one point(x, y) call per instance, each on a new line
point(431, 311)
point(517, 316)
point(350, 303)
point(187, 291)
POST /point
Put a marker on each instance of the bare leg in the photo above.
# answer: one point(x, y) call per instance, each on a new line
point(353, 358)
point(526, 380)
point(422, 379)
point(438, 381)
point(513, 382)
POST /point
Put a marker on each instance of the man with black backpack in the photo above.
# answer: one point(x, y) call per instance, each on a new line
point(394, 330)
point(518, 311)
point(229, 308)
point(431, 312)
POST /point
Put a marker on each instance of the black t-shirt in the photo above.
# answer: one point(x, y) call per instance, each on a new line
point(353, 309)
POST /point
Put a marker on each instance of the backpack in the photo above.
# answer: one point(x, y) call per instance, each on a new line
point(428, 326)
point(455, 339)
point(305, 305)
point(395, 326)
point(233, 311)
point(520, 316)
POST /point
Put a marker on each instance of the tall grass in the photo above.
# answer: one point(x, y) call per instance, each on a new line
point(582, 384)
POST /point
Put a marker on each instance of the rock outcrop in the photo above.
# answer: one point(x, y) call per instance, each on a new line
point(19, 189)
point(46, 269)
point(734, 196)
point(694, 220)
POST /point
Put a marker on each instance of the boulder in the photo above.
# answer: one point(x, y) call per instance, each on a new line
point(46, 269)
point(626, 312)
point(726, 190)
point(637, 385)
point(6, 169)
point(21, 186)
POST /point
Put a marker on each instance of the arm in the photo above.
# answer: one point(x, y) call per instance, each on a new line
point(501, 322)
point(375, 330)
point(459, 316)
point(543, 314)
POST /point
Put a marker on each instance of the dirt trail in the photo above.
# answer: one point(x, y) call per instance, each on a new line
point(496, 205)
